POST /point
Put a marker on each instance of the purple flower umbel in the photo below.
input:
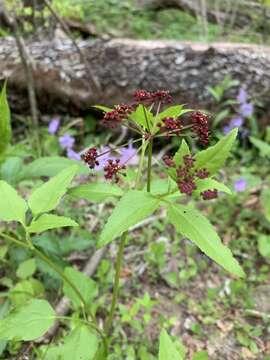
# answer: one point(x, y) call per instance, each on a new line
point(53, 126)
point(66, 141)
point(240, 185)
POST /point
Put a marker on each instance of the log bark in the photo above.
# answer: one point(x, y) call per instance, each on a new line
point(122, 66)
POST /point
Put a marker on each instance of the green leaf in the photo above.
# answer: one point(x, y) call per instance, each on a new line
point(214, 157)
point(103, 108)
point(86, 286)
point(172, 111)
point(220, 116)
point(50, 221)
point(25, 290)
point(5, 128)
point(26, 269)
point(96, 192)
point(28, 322)
point(206, 184)
point(80, 344)
point(140, 115)
point(182, 151)
point(48, 195)
point(193, 225)
point(167, 349)
point(264, 245)
point(178, 158)
point(263, 147)
point(12, 206)
point(49, 166)
point(10, 169)
point(132, 208)
point(265, 201)
point(200, 355)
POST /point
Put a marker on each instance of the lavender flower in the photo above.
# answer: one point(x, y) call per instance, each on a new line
point(53, 126)
point(103, 159)
point(242, 96)
point(128, 155)
point(226, 129)
point(240, 185)
point(66, 141)
point(236, 122)
point(73, 155)
point(246, 109)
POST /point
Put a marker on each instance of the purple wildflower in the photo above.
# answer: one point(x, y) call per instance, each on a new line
point(226, 129)
point(73, 155)
point(236, 122)
point(53, 126)
point(240, 185)
point(246, 109)
point(128, 155)
point(242, 96)
point(66, 141)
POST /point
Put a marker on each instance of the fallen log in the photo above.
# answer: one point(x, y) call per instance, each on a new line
point(122, 66)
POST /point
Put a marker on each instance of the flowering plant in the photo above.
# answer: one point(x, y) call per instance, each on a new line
point(184, 174)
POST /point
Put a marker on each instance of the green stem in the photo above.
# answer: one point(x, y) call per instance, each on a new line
point(65, 278)
point(149, 164)
point(139, 173)
point(118, 265)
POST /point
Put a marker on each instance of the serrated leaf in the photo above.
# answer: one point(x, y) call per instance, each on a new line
point(28, 322)
point(132, 208)
point(86, 286)
point(96, 192)
point(193, 225)
point(47, 196)
point(140, 115)
point(12, 206)
point(50, 221)
point(49, 166)
point(206, 184)
point(167, 349)
point(5, 128)
point(26, 269)
point(215, 156)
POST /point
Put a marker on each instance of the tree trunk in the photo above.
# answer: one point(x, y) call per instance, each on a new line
point(121, 66)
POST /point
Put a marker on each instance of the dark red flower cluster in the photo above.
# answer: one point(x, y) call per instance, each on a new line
point(115, 117)
point(170, 125)
point(200, 126)
point(90, 158)
point(209, 194)
point(186, 176)
point(168, 160)
point(112, 170)
point(162, 96)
